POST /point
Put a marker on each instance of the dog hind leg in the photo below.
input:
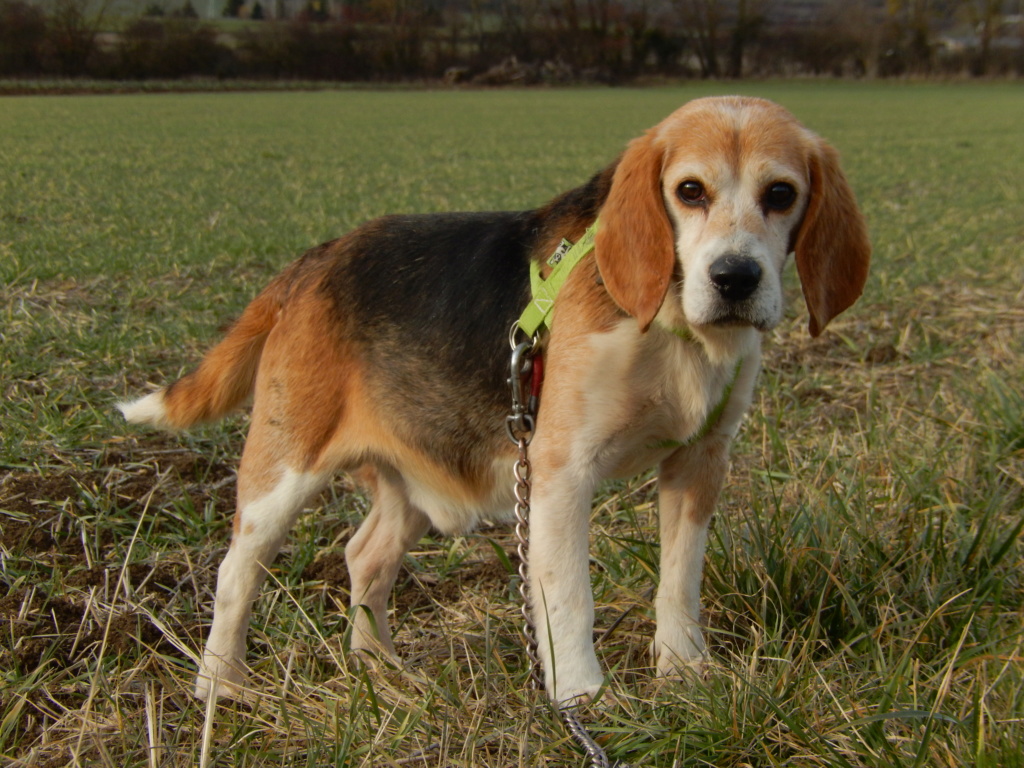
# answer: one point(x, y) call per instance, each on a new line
point(374, 556)
point(261, 525)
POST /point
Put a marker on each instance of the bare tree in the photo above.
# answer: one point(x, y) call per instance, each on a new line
point(566, 14)
point(73, 30)
point(703, 22)
point(985, 17)
point(404, 20)
point(750, 20)
point(597, 10)
point(908, 36)
point(522, 27)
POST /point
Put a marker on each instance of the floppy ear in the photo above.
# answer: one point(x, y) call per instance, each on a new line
point(635, 247)
point(832, 247)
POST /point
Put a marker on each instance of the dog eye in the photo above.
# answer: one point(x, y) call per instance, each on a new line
point(692, 192)
point(779, 196)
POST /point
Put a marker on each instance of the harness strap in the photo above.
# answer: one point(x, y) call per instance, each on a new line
point(544, 290)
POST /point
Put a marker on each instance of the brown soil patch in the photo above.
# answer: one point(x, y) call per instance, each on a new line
point(329, 568)
point(481, 579)
point(70, 604)
point(62, 630)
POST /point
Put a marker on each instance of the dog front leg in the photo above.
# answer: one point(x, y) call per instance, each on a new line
point(560, 591)
point(689, 484)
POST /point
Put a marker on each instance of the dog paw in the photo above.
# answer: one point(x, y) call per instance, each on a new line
point(219, 679)
point(218, 687)
point(567, 698)
point(683, 670)
point(685, 658)
point(572, 690)
point(604, 699)
point(372, 659)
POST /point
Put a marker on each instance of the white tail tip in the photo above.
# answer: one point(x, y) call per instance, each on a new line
point(146, 410)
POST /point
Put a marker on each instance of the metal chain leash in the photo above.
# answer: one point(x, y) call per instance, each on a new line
point(521, 472)
point(520, 425)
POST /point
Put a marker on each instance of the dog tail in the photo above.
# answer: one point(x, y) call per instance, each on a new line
point(224, 379)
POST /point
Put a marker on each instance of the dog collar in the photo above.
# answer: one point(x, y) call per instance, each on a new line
point(544, 290)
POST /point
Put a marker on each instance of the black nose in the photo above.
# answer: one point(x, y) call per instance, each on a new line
point(735, 277)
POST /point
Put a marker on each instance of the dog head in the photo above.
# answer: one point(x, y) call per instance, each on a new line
point(718, 194)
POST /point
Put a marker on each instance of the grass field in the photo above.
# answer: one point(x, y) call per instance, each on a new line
point(865, 578)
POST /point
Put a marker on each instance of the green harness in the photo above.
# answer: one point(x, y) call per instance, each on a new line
point(544, 290)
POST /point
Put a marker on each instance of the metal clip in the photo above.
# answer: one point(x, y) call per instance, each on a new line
point(520, 423)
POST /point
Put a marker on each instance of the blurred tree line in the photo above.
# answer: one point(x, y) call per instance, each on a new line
point(514, 41)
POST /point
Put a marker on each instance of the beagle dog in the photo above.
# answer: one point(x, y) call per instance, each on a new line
point(386, 353)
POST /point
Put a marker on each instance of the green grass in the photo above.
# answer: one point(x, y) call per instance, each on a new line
point(863, 585)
